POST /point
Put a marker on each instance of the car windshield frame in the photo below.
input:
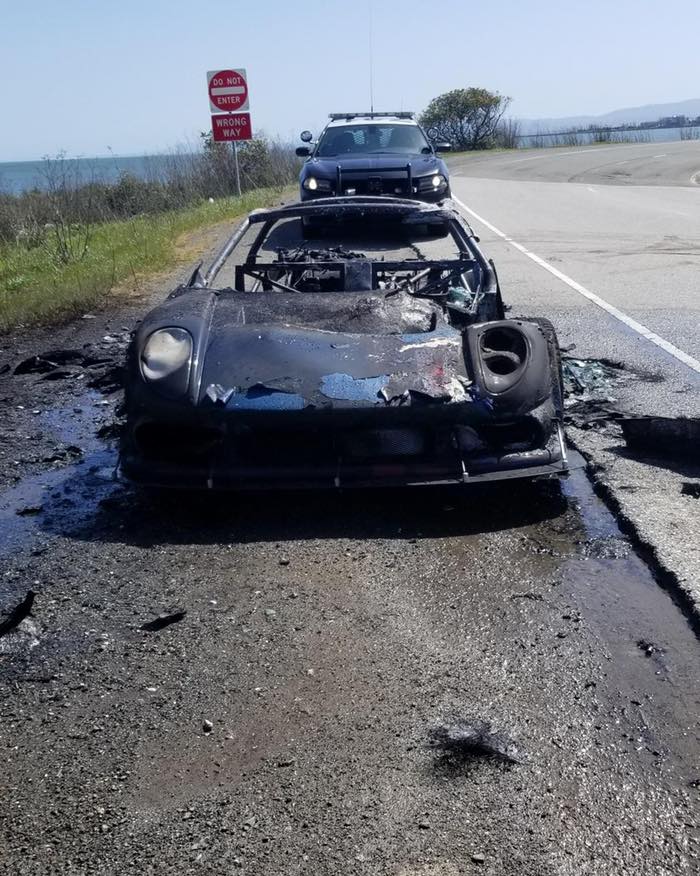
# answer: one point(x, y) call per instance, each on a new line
point(371, 139)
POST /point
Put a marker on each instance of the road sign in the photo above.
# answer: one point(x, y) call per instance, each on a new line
point(231, 127)
point(228, 91)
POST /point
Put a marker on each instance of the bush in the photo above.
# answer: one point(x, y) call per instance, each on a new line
point(466, 117)
point(61, 215)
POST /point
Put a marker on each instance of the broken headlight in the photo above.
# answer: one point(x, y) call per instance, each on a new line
point(504, 353)
point(166, 359)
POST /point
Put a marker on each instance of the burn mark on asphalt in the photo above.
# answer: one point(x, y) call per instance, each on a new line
point(165, 620)
point(467, 738)
point(15, 617)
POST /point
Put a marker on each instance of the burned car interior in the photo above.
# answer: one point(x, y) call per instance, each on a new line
point(376, 353)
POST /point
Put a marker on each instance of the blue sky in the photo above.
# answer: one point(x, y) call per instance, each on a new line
point(129, 75)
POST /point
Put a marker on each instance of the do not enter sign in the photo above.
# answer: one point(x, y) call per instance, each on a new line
point(228, 91)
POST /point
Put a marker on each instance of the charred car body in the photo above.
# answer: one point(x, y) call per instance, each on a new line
point(287, 365)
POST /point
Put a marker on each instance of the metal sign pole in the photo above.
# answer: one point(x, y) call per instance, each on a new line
point(238, 172)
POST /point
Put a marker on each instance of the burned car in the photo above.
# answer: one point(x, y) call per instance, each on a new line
point(378, 355)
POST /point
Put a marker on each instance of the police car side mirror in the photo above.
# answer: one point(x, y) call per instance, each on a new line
point(303, 151)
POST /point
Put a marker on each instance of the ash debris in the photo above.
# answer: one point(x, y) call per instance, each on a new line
point(98, 364)
point(467, 738)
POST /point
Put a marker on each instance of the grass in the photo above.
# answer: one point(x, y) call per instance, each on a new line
point(37, 288)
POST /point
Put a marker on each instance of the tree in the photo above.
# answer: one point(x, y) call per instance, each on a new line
point(466, 117)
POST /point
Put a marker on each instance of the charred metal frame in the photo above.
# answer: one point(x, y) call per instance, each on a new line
point(349, 208)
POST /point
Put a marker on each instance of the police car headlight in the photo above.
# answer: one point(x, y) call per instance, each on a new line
point(434, 183)
point(312, 184)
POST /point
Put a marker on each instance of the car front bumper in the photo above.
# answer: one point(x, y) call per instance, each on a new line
point(270, 457)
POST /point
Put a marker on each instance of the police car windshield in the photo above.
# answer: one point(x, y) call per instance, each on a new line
point(371, 139)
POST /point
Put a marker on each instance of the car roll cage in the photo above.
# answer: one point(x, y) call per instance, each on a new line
point(407, 212)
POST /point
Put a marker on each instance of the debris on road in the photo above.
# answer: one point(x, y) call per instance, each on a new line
point(29, 510)
point(163, 621)
point(589, 377)
point(663, 436)
point(100, 363)
point(15, 617)
point(474, 737)
point(649, 648)
point(588, 384)
point(207, 726)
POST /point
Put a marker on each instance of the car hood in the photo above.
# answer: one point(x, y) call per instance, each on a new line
point(259, 359)
point(420, 164)
point(268, 351)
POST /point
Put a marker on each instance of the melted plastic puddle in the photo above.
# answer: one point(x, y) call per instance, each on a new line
point(71, 492)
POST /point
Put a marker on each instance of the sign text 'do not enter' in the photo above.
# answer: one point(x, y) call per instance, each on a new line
point(228, 91)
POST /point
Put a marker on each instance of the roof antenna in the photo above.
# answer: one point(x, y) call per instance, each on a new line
point(371, 62)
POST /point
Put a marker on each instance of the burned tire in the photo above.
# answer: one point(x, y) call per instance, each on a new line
point(550, 335)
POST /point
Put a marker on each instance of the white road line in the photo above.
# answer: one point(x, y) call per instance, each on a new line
point(594, 150)
point(663, 155)
point(591, 296)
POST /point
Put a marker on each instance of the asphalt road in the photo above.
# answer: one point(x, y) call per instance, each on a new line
point(281, 726)
point(633, 164)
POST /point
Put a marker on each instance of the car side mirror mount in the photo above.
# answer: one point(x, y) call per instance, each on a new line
point(303, 151)
point(306, 136)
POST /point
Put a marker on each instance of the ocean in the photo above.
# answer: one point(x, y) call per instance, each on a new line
point(20, 176)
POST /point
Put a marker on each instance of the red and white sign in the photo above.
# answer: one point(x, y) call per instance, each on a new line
point(228, 91)
point(233, 127)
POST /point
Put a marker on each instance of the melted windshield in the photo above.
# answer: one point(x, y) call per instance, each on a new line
point(371, 140)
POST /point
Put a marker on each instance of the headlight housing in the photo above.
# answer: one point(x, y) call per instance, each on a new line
point(166, 360)
point(436, 182)
point(314, 184)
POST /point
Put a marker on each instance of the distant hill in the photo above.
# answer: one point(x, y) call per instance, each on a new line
point(632, 116)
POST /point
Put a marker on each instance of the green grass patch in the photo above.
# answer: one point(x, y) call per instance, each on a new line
point(37, 287)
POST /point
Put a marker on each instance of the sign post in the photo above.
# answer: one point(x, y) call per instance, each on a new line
point(228, 103)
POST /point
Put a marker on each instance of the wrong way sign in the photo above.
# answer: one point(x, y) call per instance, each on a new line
point(228, 91)
point(231, 128)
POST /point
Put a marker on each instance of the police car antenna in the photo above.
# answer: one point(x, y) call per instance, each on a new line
point(371, 61)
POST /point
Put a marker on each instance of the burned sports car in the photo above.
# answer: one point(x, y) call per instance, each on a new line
point(376, 355)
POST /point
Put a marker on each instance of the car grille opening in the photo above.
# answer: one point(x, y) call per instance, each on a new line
point(174, 442)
